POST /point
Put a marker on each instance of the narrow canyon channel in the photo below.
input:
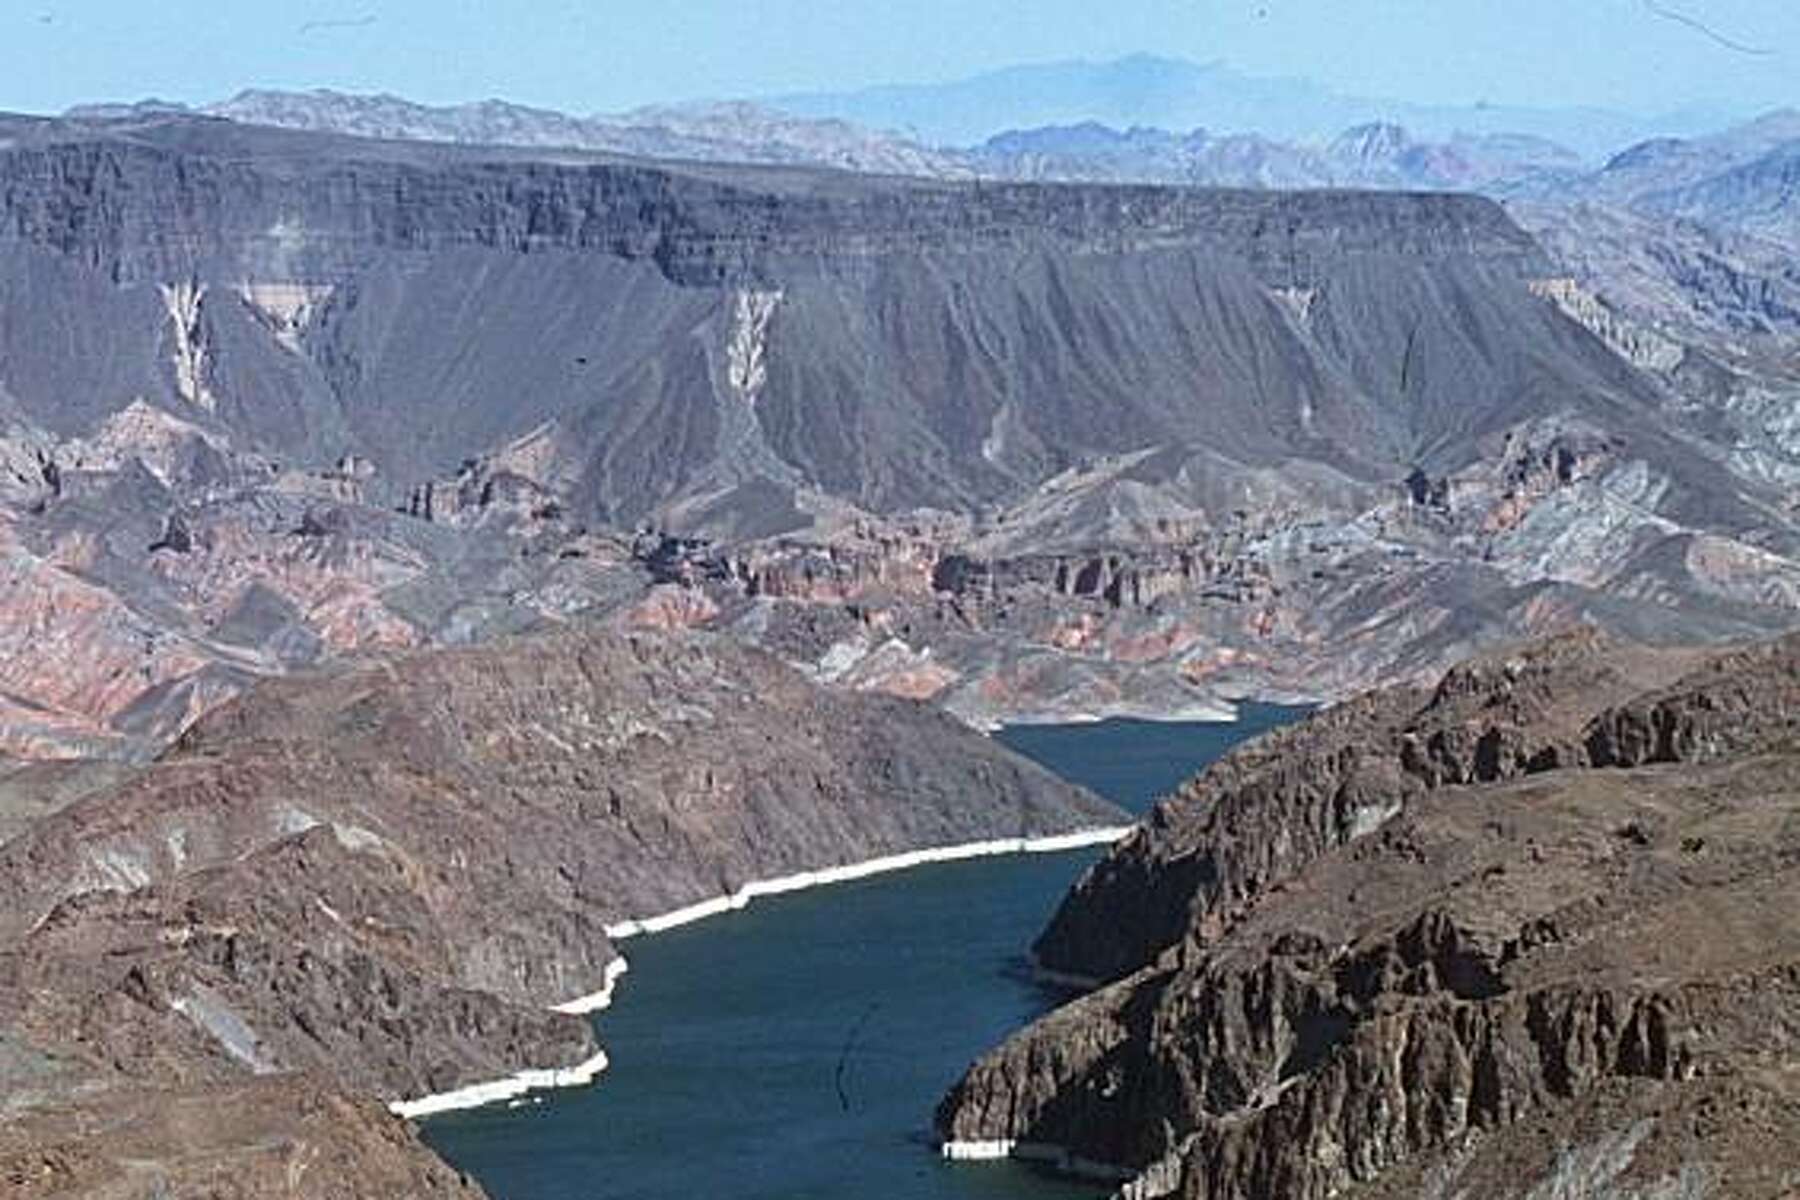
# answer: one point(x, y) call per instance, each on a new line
point(797, 1048)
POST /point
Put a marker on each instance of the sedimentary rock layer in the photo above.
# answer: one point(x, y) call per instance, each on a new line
point(272, 397)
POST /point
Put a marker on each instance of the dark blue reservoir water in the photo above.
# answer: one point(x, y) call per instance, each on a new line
point(797, 1049)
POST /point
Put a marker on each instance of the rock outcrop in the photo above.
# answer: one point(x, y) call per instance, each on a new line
point(234, 1141)
point(276, 397)
point(378, 882)
point(1521, 935)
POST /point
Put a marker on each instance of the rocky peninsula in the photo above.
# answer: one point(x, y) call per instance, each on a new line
point(1528, 932)
point(380, 883)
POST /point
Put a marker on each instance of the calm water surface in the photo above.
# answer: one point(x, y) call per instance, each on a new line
point(798, 1048)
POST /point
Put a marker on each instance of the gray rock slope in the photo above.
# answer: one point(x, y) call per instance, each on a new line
point(893, 343)
point(273, 396)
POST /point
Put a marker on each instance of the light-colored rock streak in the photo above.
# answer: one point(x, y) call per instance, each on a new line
point(287, 308)
point(875, 866)
point(1640, 346)
point(746, 352)
point(1065, 979)
point(212, 1016)
point(1037, 1152)
point(183, 302)
point(595, 1001)
point(479, 1094)
point(1297, 302)
point(999, 1148)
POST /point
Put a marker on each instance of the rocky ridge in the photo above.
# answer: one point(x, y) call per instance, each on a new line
point(1375, 154)
point(374, 884)
point(737, 131)
point(336, 394)
point(1519, 934)
point(335, 397)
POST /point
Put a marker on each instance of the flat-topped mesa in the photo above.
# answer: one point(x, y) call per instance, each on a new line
point(1294, 444)
point(175, 197)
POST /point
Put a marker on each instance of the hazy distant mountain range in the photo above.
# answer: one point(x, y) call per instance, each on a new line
point(727, 131)
point(1746, 178)
point(1141, 118)
point(907, 127)
point(1377, 155)
point(1373, 155)
point(1146, 90)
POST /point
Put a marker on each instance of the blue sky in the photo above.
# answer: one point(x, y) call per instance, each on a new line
point(596, 55)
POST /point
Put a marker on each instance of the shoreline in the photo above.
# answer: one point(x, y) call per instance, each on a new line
point(1049, 844)
point(479, 1095)
point(1043, 1153)
point(1064, 979)
point(1225, 713)
point(593, 1002)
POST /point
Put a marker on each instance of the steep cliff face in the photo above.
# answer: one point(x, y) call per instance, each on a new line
point(1417, 946)
point(209, 198)
point(1267, 809)
point(272, 397)
point(384, 878)
point(917, 342)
